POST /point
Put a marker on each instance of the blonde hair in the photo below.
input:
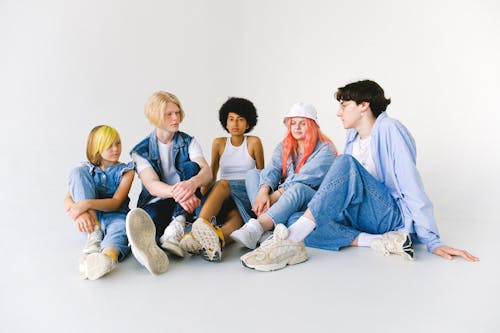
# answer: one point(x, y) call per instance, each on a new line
point(157, 102)
point(100, 138)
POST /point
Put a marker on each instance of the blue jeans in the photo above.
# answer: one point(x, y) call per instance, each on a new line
point(350, 201)
point(162, 211)
point(294, 199)
point(81, 187)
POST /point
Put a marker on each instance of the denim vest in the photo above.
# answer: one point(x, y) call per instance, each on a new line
point(148, 149)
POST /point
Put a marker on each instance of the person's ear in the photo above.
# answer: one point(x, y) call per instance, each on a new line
point(365, 106)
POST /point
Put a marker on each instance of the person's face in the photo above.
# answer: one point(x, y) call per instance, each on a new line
point(350, 113)
point(170, 118)
point(298, 128)
point(112, 154)
point(236, 124)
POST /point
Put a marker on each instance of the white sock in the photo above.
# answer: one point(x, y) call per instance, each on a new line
point(300, 229)
point(254, 225)
point(365, 239)
point(181, 219)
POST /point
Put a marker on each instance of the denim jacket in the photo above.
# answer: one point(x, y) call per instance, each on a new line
point(148, 149)
point(394, 154)
point(311, 173)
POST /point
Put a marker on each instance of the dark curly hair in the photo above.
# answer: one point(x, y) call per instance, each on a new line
point(242, 107)
point(365, 91)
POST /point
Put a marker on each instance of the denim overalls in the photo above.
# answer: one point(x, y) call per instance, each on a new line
point(91, 182)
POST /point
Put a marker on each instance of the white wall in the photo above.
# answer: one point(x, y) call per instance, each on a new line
point(66, 66)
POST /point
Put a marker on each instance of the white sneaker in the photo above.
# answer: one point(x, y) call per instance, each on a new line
point(171, 238)
point(394, 242)
point(210, 238)
point(276, 252)
point(189, 244)
point(94, 239)
point(97, 265)
point(141, 233)
point(249, 234)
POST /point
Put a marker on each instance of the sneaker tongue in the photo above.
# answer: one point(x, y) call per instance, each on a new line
point(280, 232)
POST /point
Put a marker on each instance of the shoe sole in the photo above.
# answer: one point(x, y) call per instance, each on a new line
point(173, 248)
point(296, 259)
point(408, 251)
point(141, 233)
point(208, 239)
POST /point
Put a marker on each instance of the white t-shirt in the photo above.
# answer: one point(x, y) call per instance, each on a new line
point(170, 175)
point(362, 151)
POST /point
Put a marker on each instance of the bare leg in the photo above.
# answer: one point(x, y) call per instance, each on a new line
point(215, 200)
point(233, 222)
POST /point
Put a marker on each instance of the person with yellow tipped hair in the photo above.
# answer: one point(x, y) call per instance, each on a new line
point(98, 202)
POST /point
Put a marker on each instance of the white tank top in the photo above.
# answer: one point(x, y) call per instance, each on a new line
point(235, 161)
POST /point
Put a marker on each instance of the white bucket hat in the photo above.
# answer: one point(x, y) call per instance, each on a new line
point(302, 110)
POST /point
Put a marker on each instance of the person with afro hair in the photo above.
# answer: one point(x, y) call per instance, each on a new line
point(226, 204)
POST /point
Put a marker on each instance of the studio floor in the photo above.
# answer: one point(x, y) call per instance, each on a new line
point(354, 290)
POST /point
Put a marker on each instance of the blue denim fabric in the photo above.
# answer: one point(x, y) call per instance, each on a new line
point(299, 187)
point(310, 174)
point(148, 149)
point(394, 154)
point(348, 202)
point(240, 197)
point(90, 182)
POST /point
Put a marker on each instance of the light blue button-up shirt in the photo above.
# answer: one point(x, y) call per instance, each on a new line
point(394, 154)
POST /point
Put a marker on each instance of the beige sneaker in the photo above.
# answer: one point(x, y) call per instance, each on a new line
point(171, 238)
point(189, 244)
point(276, 252)
point(98, 265)
point(141, 233)
point(210, 238)
point(394, 242)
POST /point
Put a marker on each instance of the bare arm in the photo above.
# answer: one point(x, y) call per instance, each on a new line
point(185, 189)
point(154, 185)
point(214, 165)
point(256, 151)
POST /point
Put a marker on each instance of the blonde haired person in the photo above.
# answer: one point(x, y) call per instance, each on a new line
point(172, 170)
point(98, 202)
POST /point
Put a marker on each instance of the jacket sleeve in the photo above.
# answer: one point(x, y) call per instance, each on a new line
point(411, 188)
point(271, 175)
point(315, 168)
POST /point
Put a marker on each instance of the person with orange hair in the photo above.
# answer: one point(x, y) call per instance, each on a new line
point(291, 179)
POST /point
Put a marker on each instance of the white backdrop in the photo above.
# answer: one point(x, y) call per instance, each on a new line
point(66, 66)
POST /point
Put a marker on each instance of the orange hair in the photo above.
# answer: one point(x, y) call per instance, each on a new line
point(313, 134)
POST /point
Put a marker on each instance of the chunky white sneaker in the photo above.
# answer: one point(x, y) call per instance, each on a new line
point(172, 237)
point(94, 239)
point(249, 234)
point(98, 265)
point(141, 233)
point(276, 252)
point(210, 239)
point(82, 267)
point(189, 244)
point(394, 242)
